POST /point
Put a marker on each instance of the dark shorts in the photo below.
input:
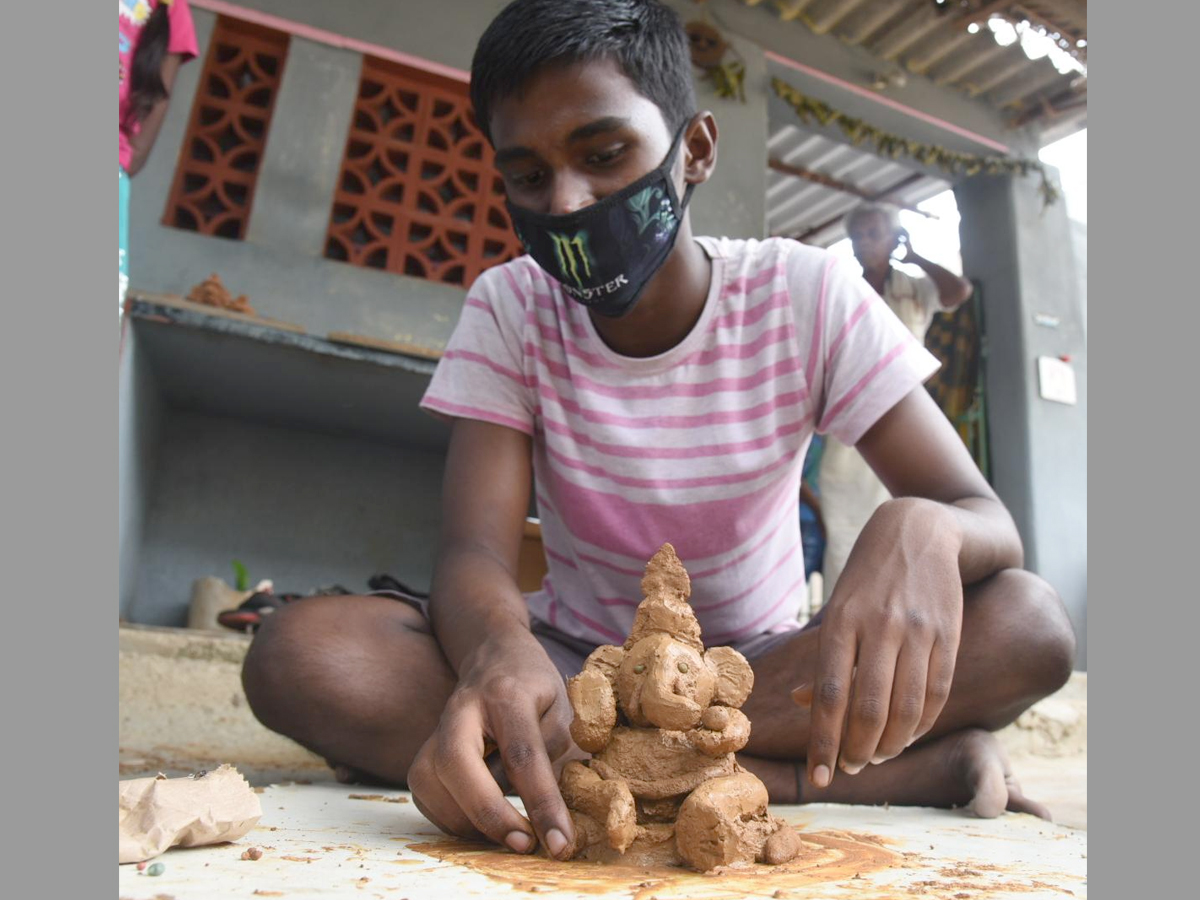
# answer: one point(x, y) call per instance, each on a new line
point(568, 653)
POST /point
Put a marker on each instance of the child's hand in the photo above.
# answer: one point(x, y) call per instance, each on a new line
point(888, 641)
point(510, 697)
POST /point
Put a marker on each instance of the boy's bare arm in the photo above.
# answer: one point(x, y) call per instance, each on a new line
point(485, 496)
point(918, 455)
point(889, 639)
point(509, 693)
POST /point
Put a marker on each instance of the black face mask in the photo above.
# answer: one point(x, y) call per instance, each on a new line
point(603, 255)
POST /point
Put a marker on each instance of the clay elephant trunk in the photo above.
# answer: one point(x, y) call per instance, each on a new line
point(664, 708)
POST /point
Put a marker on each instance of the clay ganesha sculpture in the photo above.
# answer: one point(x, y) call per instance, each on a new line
point(660, 717)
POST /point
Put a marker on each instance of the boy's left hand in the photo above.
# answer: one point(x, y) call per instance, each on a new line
point(888, 641)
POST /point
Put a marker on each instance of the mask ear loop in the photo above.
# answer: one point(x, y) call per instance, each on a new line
point(677, 144)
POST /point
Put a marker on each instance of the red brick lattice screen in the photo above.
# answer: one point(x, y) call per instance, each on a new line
point(418, 195)
point(220, 155)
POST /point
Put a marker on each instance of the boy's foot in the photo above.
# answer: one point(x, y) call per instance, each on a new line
point(349, 775)
point(966, 769)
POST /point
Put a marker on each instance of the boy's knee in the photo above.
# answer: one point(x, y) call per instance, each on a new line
point(272, 668)
point(312, 657)
point(1045, 633)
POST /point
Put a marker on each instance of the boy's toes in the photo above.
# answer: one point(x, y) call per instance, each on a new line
point(990, 794)
point(1018, 802)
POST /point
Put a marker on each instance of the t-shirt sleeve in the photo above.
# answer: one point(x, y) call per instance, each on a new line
point(183, 31)
point(482, 373)
point(865, 360)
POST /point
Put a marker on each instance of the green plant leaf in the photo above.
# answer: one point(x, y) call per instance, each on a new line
point(241, 577)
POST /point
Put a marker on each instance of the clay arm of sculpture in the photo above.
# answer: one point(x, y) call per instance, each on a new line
point(608, 803)
point(722, 730)
point(594, 700)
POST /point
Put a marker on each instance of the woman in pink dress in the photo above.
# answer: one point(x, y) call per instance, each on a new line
point(154, 38)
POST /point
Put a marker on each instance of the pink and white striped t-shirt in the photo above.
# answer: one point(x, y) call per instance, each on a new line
point(700, 446)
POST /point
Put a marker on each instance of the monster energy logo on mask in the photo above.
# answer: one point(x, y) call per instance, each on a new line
point(573, 258)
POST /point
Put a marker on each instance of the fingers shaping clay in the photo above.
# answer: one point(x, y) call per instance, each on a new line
point(660, 717)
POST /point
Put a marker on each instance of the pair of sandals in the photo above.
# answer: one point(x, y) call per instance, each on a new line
point(250, 613)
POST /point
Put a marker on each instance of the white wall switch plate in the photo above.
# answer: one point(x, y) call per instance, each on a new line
point(1056, 380)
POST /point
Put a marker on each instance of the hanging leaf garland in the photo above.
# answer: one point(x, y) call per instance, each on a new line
point(893, 146)
point(709, 49)
point(729, 80)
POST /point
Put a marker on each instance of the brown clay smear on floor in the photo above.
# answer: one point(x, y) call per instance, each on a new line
point(828, 856)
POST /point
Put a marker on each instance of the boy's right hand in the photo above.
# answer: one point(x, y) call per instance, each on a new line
point(512, 697)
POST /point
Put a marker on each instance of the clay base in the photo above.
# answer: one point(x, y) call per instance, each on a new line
point(653, 845)
point(767, 840)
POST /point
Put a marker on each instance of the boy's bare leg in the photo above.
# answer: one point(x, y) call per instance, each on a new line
point(1017, 646)
point(360, 681)
point(966, 768)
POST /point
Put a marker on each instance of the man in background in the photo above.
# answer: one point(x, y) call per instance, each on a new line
point(850, 491)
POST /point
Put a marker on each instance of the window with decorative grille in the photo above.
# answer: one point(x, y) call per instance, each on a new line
point(218, 162)
point(418, 194)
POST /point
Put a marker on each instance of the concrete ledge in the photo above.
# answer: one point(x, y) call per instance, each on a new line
point(182, 708)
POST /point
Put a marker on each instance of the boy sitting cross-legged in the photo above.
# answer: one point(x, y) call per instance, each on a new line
point(656, 386)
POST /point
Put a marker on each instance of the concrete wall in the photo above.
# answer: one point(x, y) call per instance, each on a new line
point(305, 509)
point(280, 265)
point(138, 420)
point(1023, 254)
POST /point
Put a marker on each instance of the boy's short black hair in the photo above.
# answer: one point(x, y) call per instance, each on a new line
point(645, 38)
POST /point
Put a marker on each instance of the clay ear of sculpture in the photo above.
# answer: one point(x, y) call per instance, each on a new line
point(735, 678)
point(594, 700)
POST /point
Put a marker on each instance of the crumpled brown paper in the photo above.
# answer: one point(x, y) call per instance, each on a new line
point(206, 808)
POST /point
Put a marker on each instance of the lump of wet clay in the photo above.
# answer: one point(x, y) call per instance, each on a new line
point(660, 716)
point(211, 292)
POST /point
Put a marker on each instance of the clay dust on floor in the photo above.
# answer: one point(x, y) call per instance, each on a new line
point(835, 858)
point(827, 857)
point(319, 841)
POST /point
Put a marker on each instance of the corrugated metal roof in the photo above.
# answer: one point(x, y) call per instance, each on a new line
point(799, 207)
point(929, 40)
point(932, 40)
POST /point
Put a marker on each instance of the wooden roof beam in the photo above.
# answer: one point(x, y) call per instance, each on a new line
point(882, 195)
point(1018, 63)
point(877, 20)
point(969, 63)
point(790, 10)
point(783, 168)
point(1039, 79)
point(1070, 32)
point(832, 18)
point(899, 39)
